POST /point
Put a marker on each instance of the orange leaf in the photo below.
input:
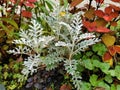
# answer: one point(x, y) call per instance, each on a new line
point(117, 48)
point(115, 7)
point(65, 87)
point(112, 50)
point(102, 30)
point(108, 40)
point(26, 14)
point(108, 10)
point(108, 58)
point(99, 13)
point(75, 3)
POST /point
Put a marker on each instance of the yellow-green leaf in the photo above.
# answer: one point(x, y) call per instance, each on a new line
point(108, 40)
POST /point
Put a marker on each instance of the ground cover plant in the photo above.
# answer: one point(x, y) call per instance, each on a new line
point(59, 46)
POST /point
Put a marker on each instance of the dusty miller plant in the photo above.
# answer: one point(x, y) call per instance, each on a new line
point(71, 40)
point(66, 41)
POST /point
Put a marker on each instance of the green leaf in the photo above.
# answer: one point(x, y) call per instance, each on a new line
point(85, 86)
point(111, 72)
point(118, 87)
point(117, 72)
point(95, 57)
point(88, 64)
point(77, 56)
point(3, 26)
point(99, 48)
point(12, 87)
point(10, 21)
point(104, 85)
point(49, 4)
point(65, 3)
point(5, 75)
point(0, 68)
point(44, 9)
point(108, 79)
point(113, 87)
point(96, 63)
point(89, 53)
point(93, 80)
point(104, 67)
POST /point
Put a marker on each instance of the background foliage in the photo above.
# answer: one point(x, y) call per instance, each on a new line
point(59, 40)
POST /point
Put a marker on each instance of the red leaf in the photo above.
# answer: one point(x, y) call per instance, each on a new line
point(114, 14)
point(99, 13)
point(107, 17)
point(99, 1)
point(90, 26)
point(107, 57)
point(108, 10)
point(26, 14)
point(102, 30)
point(75, 3)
